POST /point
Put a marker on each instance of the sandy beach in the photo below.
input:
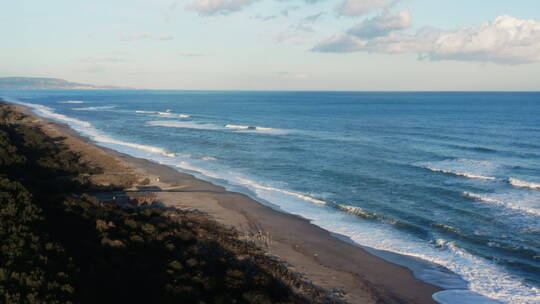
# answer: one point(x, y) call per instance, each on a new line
point(333, 264)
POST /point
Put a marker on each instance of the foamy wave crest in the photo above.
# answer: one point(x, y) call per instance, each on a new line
point(72, 101)
point(490, 281)
point(523, 184)
point(484, 276)
point(183, 124)
point(288, 192)
point(48, 112)
point(238, 127)
point(190, 167)
point(463, 174)
point(167, 114)
point(506, 204)
point(468, 168)
point(94, 108)
point(210, 126)
point(105, 139)
point(255, 128)
point(87, 129)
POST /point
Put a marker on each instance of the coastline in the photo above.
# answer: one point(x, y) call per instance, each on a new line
point(323, 258)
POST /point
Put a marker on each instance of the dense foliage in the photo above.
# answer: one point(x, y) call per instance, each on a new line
point(58, 245)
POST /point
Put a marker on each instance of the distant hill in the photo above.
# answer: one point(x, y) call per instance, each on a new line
point(39, 83)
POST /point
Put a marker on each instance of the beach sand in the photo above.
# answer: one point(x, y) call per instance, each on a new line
point(323, 259)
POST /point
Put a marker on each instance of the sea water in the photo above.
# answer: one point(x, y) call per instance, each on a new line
point(452, 179)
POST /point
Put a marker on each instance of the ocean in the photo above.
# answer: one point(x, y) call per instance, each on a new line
point(439, 178)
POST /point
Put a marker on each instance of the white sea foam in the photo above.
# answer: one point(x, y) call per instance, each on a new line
point(463, 174)
point(256, 129)
point(173, 115)
point(49, 112)
point(468, 168)
point(94, 108)
point(484, 277)
point(167, 114)
point(190, 167)
point(87, 129)
point(523, 184)
point(211, 126)
point(238, 127)
point(72, 101)
point(288, 192)
point(510, 203)
point(105, 139)
point(184, 124)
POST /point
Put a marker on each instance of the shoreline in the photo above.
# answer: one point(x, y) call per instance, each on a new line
point(324, 258)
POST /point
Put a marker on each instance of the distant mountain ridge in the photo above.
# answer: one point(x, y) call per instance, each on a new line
point(42, 83)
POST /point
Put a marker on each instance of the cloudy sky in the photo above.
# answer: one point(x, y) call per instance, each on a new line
point(276, 44)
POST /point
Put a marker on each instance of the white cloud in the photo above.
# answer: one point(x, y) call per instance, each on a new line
point(505, 40)
point(361, 7)
point(382, 24)
point(341, 43)
point(216, 7)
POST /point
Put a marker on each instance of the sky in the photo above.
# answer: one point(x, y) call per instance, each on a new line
point(352, 45)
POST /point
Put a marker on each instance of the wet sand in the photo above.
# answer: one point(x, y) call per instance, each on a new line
point(326, 261)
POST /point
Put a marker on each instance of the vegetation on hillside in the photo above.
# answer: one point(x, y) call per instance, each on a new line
point(58, 245)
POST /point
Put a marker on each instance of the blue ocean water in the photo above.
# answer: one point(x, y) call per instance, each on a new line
point(450, 178)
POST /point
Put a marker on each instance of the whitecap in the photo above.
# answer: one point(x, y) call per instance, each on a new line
point(239, 127)
point(505, 203)
point(463, 174)
point(49, 112)
point(184, 124)
point(468, 168)
point(523, 184)
point(167, 113)
point(94, 108)
point(87, 129)
point(256, 129)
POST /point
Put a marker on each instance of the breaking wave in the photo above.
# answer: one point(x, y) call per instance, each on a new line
point(87, 129)
point(523, 184)
point(491, 281)
point(94, 108)
point(49, 112)
point(166, 113)
point(463, 174)
point(504, 203)
point(211, 126)
point(255, 128)
point(184, 124)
